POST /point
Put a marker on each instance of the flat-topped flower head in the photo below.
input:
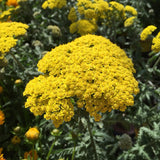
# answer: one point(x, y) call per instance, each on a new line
point(129, 21)
point(131, 10)
point(92, 69)
point(147, 32)
point(54, 4)
point(8, 32)
point(10, 29)
point(156, 43)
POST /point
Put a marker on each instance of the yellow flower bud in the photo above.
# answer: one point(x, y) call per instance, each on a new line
point(17, 129)
point(55, 132)
point(15, 140)
point(18, 81)
point(32, 134)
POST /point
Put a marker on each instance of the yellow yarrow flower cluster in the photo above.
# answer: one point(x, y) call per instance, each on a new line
point(92, 69)
point(156, 43)
point(54, 4)
point(72, 16)
point(10, 29)
point(129, 21)
point(85, 14)
point(131, 10)
point(6, 13)
point(147, 32)
point(83, 27)
point(119, 7)
point(95, 10)
point(8, 32)
point(6, 43)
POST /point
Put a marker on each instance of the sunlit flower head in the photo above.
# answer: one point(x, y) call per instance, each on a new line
point(156, 43)
point(92, 69)
point(131, 10)
point(129, 21)
point(147, 32)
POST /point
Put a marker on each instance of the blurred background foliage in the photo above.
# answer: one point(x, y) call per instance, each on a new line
point(130, 135)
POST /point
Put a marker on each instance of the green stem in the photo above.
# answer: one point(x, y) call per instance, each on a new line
point(73, 153)
point(32, 153)
point(20, 65)
point(156, 63)
point(92, 139)
point(51, 148)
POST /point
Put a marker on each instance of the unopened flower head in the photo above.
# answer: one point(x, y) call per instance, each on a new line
point(15, 140)
point(32, 134)
point(125, 142)
point(56, 31)
point(93, 69)
point(12, 3)
point(18, 81)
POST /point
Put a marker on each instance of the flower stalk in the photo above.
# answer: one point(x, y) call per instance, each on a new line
point(92, 139)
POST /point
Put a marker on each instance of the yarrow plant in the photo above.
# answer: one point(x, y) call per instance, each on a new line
point(84, 90)
point(8, 32)
point(91, 69)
